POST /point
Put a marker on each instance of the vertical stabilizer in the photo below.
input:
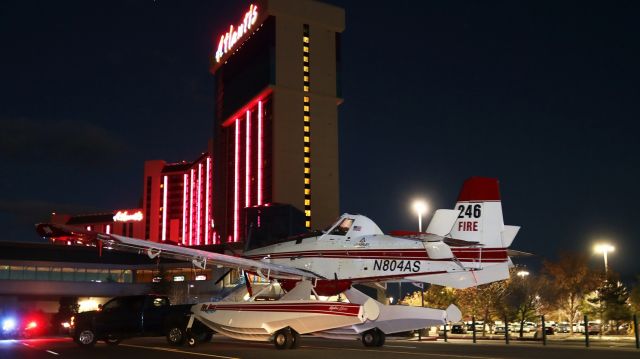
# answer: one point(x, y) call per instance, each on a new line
point(480, 214)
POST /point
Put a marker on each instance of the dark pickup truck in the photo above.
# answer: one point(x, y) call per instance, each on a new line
point(137, 316)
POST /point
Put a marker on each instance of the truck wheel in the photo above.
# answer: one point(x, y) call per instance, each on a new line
point(370, 338)
point(295, 344)
point(175, 336)
point(86, 337)
point(381, 338)
point(283, 339)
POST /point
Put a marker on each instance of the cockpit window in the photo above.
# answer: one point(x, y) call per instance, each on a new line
point(343, 227)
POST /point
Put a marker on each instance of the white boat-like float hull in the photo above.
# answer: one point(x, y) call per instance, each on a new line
point(259, 320)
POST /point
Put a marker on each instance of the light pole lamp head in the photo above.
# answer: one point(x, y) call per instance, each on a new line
point(420, 207)
point(602, 248)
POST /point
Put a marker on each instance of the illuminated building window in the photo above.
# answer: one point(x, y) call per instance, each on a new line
point(307, 121)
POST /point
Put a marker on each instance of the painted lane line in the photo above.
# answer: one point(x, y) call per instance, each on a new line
point(178, 351)
point(52, 352)
point(407, 353)
point(399, 346)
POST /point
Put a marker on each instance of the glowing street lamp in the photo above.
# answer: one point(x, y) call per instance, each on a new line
point(604, 248)
point(420, 207)
point(522, 274)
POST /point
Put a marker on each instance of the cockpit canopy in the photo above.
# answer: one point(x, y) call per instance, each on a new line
point(353, 225)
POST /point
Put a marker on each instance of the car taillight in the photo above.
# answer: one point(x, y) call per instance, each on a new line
point(73, 320)
point(32, 325)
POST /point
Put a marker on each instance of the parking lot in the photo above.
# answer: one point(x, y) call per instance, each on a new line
point(310, 348)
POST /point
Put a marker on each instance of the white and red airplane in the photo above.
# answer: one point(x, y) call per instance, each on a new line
point(463, 247)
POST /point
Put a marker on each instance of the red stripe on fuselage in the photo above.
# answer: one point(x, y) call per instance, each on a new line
point(462, 254)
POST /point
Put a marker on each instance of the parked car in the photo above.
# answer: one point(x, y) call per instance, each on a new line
point(458, 328)
point(563, 328)
point(527, 327)
point(500, 329)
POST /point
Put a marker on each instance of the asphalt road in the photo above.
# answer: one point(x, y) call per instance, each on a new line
point(310, 348)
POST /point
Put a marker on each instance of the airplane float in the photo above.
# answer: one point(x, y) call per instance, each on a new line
point(462, 247)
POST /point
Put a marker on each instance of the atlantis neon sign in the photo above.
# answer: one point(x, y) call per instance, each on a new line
point(231, 37)
point(124, 216)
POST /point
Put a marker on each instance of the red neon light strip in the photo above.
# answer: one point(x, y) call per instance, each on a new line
point(260, 151)
point(198, 205)
point(206, 210)
point(164, 208)
point(236, 188)
point(247, 161)
point(184, 209)
point(191, 210)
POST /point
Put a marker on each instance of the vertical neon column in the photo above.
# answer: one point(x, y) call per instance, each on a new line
point(236, 188)
point(260, 153)
point(165, 185)
point(191, 208)
point(247, 161)
point(207, 213)
point(184, 208)
point(198, 204)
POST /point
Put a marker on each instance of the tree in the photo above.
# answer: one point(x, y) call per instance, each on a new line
point(573, 280)
point(481, 301)
point(634, 297)
point(435, 296)
point(522, 299)
point(613, 297)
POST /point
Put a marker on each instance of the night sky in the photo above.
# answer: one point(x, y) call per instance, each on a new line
point(542, 95)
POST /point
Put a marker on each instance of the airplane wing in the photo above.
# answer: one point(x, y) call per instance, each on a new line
point(198, 258)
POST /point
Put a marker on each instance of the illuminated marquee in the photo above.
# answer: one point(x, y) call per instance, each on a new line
point(231, 37)
point(124, 216)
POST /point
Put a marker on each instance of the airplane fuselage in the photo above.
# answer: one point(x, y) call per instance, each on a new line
point(372, 258)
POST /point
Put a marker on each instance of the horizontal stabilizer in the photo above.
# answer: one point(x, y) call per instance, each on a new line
point(442, 221)
point(514, 253)
point(508, 234)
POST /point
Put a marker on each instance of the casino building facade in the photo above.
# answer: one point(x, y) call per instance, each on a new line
point(275, 140)
point(276, 71)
